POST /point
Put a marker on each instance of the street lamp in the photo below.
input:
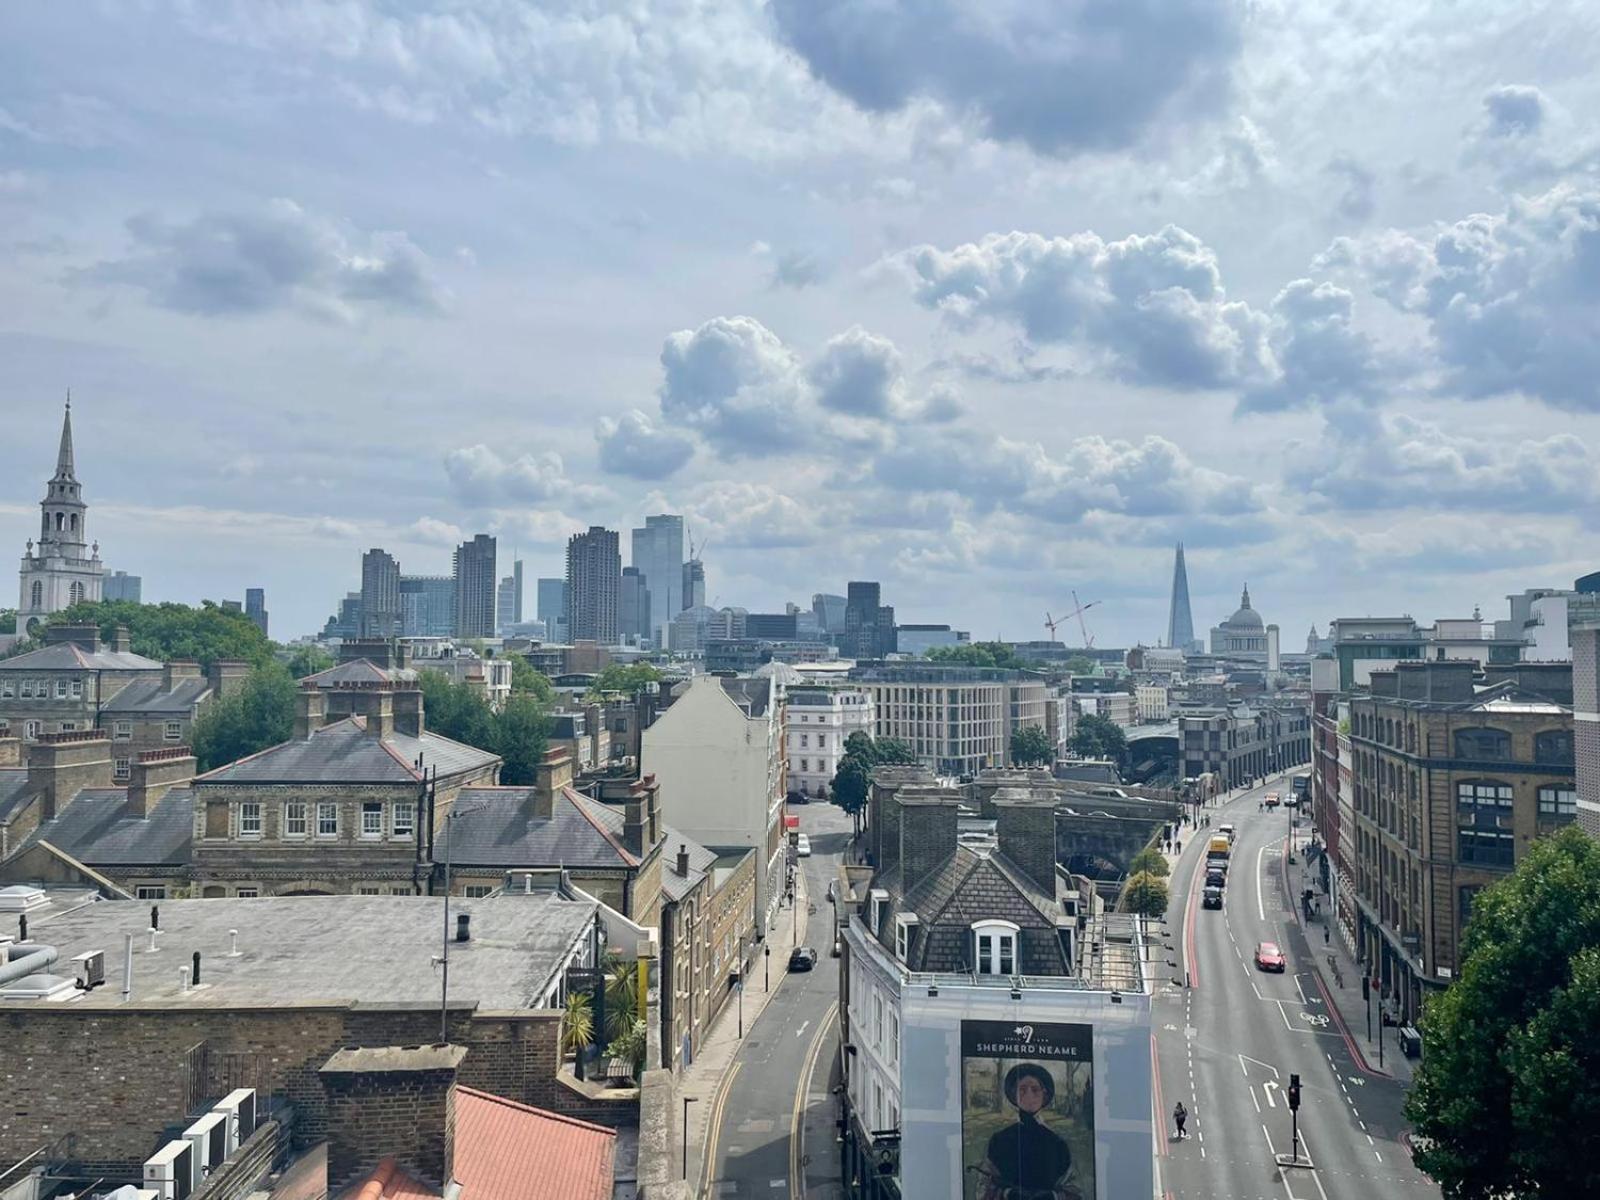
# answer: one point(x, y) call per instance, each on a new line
point(687, 1100)
point(766, 960)
point(739, 985)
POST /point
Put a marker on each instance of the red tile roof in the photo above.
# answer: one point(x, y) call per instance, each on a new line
point(389, 1181)
point(510, 1151)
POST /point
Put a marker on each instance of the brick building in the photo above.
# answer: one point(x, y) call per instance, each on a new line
point(1453, 779)
point(708, 901)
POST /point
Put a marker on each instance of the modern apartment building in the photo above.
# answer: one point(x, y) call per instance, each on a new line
point(957, 720)
point(657, 552)
point(594, 586)
point(380, 594)
point(476, 587)
point(1238, 742)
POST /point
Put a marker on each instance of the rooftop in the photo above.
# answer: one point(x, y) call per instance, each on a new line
point(68, 656)
point(312, 950)
point(498, 827)
point(95, 829)
point(344, 752)
point(151, 695)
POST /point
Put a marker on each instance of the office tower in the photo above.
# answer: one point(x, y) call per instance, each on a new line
point(552, 602)
point(1180, 622)
point(475, 587)
point(594, 581)
point(868, 625)
point(633, 605)
point(427, 605)
point(380, 594)
point(694, 583)
point(516, 604)
point(658, 553)
point(255, 607)
point(505, 605)
point(829, 612)
point(119, 585)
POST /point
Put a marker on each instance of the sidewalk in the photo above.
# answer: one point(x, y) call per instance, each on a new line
point(703, 1082)
point(1341, 987)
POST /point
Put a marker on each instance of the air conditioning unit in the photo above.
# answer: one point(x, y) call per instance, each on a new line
point(90, 968)
point(170, 1171)
point(209, 1137)
point(240, 1106)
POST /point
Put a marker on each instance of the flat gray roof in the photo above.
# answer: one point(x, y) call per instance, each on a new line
point(302, 950)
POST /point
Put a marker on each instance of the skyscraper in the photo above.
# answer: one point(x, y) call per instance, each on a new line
point(552, 610)
point(868, 625)
point(658, 553)
point(427, 605)
point(505, 605)
point(1180, 622)
point(517, 609)
point(119, 585)
point(255, 607)
point(475, 587)
point(633, 605)
point(380, 594)
point(594, 581)
point(694, 584)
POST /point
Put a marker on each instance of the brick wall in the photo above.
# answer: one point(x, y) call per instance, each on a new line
point(391, 1101)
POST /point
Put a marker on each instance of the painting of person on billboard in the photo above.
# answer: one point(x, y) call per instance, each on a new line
point(1027, 1111)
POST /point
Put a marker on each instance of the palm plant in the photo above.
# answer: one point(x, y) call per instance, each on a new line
point(577, 1024)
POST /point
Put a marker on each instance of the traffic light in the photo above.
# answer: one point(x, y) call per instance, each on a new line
point(1294, 1093)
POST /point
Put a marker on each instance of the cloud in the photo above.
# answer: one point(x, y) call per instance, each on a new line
point(1356, 201)
point(751, 516)
point(433, 532)
point(1320, 356)
point(733, 381)
point(859, 374)
point(1513, 110)
point(483, 478)
point(1511, 300)
point(277, 257)
point(797, 269)
point(1060, 78)
point(637, 445)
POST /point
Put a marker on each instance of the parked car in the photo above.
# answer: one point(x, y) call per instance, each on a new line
point(802, 846)
point(1211, 897)
point(798, 798)
point(803, 958)
point(1269, 957)
point(1273, 799)
point(1226, 831)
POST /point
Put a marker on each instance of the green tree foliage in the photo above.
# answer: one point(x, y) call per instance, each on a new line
point(519, 733)
point(977, 654)
point(260, 713)
point(1030, 744)
point(168, 631)
point(307, 660)
point(1080, 665)
point(1149, 861)
point(1099, 737)
point(577, 1023)
point(854, 775)
point(526, 679)
point(630, 1046)
point(629, 678)
point(1505, 1099)
point(8, 620)
point(1145, 894)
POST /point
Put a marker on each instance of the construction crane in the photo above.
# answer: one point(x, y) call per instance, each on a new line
point(1078, 609)
point(1051, 624)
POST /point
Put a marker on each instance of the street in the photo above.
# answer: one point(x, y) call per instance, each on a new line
point(1226, 1045)
point(788, 1054)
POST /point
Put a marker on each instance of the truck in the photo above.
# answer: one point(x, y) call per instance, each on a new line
point(1217, 853)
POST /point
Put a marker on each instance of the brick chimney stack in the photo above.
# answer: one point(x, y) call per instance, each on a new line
point(1025, 825)
point(927, 821)
point(391, 1101)
point(155, 773)
point(555, 773)
point(310, 709)
point(60, 765)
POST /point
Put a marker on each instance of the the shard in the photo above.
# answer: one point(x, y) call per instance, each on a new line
point(1180, 622)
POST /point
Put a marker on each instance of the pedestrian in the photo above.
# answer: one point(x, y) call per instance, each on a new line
point(1324, 935)
point(1180, 1117)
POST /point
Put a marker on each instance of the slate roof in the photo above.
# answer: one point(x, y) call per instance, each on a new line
point(95, 830)
point(149, 695)
point(701, 862)
point(752, 695)
point(344, 752)
point(13, 791)
point(360, 670)
point(510, 1151)
point(67, 656)
point(504, 832)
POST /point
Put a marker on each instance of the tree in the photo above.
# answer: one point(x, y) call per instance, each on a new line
point(260, 713)
point(528, 679)
point(853, 778)
point(850, 784)
point(629, 678)
point(456, 711)
point(977, 654)
point(1149, 861)
point(308, 660)
point(1145, 895)
point(8, 620)
point(1504, 1100)
point(521, 732)
point(169, 631)
point(1030, 744)
point(1099, 737)
point(1078, 664)
point(577, 1023)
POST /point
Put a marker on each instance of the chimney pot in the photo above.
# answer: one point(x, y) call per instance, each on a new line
point(22, 928)
point(683, 859)
point(155, 916)
point(195, 973)
point(463, 925)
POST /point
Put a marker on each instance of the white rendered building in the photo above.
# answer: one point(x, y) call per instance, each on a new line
point(819, 721)
point(65, 569)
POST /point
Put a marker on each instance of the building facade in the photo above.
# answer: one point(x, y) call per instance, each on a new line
point(957, 720)
point(594, 584)
point(427, 606)
point(869, 631)
point(1239, 742)
point(1453, 781)
point(1180, 620)
point(476, 587)
point(1584, 632)
point(820, 720)
point(1242, 635)
point(657, 553)
point(65, 568)
point(380, 594)
point(119, 585)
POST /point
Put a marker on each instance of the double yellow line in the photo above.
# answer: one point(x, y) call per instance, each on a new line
point(797, 1172)
point(714, 1127)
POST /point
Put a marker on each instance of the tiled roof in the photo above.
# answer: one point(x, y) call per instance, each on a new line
point(150, 695)
point(13, 791)
point(95, 830)
point(66, 656)
point(344, 752)
point(752, 695)
point(389, 1181)
point(498, 827)
point(360, 670)
point(510, 1151)
point(701, 861)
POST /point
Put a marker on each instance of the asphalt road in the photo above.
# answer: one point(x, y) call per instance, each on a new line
point(1226, 1045)
point(788, 1052)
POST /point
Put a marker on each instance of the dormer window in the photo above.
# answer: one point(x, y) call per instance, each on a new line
point(904, 924)
point(877, 902)
point(995, 943)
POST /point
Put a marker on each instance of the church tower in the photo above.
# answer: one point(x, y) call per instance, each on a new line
point(65, 568)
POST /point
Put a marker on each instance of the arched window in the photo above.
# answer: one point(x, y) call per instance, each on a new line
point(75, 594)
point(996, 947)
point(61, 522)
point(1553, 746)
point(36, 595)
point(74, 522)
point(1483, 744)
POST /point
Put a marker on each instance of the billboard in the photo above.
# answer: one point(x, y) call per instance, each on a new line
point(1027, 1111)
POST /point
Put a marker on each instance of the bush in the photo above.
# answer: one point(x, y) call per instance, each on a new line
point(1146, 895)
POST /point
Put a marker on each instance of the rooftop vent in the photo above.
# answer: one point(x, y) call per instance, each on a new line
point(20, 898)
point(39, 987)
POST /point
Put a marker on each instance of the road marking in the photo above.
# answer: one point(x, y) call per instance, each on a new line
point(802, 1028)
point(1267, 1089)
point(1244, 1058)
point(797, 1175)
point(1298, 988)
point(1260, 904)
point(714, 1127)
point(1254, 1101)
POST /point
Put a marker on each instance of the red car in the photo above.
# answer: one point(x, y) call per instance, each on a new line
point(1269, 957)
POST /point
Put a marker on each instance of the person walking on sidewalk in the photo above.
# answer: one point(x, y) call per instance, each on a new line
point(1180, 1117)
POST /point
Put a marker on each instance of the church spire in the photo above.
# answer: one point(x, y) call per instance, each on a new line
point(64, 467)
point(1244, 600)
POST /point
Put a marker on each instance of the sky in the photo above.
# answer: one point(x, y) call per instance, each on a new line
point(992, 302)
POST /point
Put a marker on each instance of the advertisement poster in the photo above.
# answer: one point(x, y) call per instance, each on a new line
point(1027, 1111)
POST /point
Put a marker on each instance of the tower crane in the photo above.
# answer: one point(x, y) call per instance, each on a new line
point(1078, 609)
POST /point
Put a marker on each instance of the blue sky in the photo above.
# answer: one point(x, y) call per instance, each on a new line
point(988, 301)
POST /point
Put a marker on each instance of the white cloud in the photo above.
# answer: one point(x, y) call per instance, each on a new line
point(733, 381)
point(433, 532)
point(484, 478)
point(859, 374)
point(637, 445)
point(1514, 110)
